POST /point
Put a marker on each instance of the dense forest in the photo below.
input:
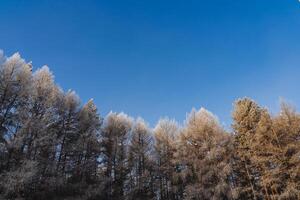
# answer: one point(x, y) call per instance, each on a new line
point(54, 147)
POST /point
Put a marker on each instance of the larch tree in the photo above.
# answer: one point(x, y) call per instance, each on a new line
point(140, 162)
point(67, 134)
point(15, 82)
point(204, 156)
point(286, 172)
point(246, 116)
point(88, 145)
point(166, 134)
point(35, 137)
point(53, 147)
point(114, 144)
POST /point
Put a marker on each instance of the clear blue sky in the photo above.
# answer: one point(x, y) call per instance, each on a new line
point(154, 58)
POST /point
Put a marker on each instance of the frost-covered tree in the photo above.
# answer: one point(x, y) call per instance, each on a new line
point(285, 173)
point(267, 152)
point(67, 128)
point(166, 133)
point(88, 145)
point(49, 143)
point(246, 116)
point(15, 82)
point(114, 143)
point(38, 115)
point(54, 148)
point(140, 163)
point(203, 152)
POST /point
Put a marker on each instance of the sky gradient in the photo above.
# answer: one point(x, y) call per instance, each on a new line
point(161, 58)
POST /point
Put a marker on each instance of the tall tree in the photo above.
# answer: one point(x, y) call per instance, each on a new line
point(88, 146)
point(114, 140)
point(286, 171)
point(166, 133)
point(204, 156)
point(141, 176)
point(15, 83)
point(54, 148)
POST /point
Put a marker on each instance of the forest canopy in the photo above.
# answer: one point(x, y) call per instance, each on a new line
point(54, 147)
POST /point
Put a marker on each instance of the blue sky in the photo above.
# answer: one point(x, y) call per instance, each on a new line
point(161, 58)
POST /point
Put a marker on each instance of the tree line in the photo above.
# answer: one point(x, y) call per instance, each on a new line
point(53, 147)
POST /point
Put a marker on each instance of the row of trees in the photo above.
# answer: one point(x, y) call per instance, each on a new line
point(53, 147)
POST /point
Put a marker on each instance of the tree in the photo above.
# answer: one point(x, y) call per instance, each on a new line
point(88, 146)
point(285, 180)
point(15, 82)
point(141, 177)
point(166, 133)
point(67, 134)
point(204, 156)
point(246, 116)
point(114, 140)
point(54, 148)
